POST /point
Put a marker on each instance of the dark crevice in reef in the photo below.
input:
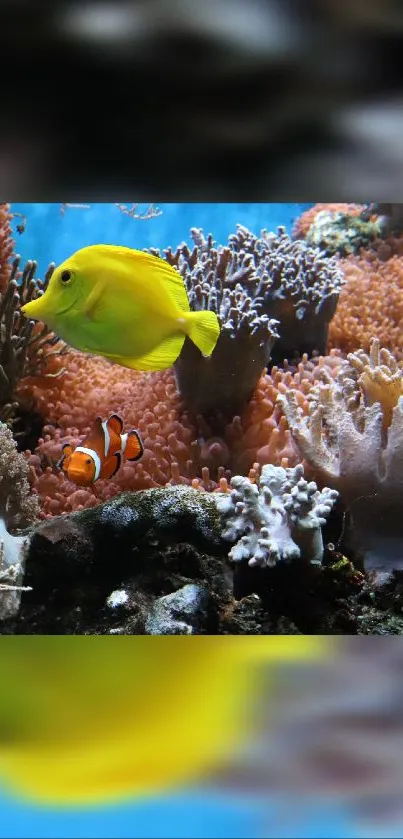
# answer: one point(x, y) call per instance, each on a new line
point(27, 429)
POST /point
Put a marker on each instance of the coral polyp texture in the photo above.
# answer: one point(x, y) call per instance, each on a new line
point(179, 446)
point(305, 221)
point(279, 518)
point(353, 228)
point(274, 299)
point(370, 304)
point(352, 440)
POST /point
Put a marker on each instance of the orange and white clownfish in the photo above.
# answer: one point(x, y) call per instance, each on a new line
point(100, 454)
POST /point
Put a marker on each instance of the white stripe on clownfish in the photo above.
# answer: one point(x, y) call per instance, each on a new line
point(123, 442)
point(95, 457)
point(107, 438)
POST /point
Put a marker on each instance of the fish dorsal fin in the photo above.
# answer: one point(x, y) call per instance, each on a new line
point(96, 437)
point(115, 423)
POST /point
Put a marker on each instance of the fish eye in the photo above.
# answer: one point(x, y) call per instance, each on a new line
point(66, 277)
point(88, 461)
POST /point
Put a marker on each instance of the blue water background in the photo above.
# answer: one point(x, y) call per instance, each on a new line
point(195, 816)
point(51, 236)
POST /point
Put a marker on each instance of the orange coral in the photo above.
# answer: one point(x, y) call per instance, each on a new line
point(370, 305)
point(304, 222)
point(179, 447)
point(6, 246)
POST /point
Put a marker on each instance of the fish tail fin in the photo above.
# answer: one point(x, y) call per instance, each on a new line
point(203, 329)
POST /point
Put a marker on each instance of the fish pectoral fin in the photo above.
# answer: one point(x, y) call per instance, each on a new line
point(92, 303)
point(160, 358)
point(111, 466)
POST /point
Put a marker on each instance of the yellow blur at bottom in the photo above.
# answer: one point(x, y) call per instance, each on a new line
point(89, 719)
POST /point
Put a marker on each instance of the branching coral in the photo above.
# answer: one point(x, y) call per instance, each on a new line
point(370, 304)
point(251, 284)
point(294, 284)
point(225, 282)
point(18, 508)
point(25, 347)
point(377, 377)
point(6, 246)
point(277, 519)
point(352, 440)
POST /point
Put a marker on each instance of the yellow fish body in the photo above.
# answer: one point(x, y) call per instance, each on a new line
point(91, 719)
point(124, 304)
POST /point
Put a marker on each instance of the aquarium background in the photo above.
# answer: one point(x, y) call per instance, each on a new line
point(54, 231)
point(51, 233)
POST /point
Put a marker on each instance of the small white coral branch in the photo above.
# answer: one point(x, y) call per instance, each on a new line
point(278, 520)
point(12, 561)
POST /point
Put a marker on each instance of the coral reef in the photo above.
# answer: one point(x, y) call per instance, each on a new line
point(277, 519)
point(352, 440)
point(338, 228)
point(18, 508)
point(179, 447)
point(353, 228)
point(171, 571)
point(342, 233)
point(370, 304)
point(251, 284)
point(305, 221)
point(25, 348)
point(6, 246)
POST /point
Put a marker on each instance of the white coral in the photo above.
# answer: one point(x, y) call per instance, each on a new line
point(12, 560)
point(353, 441)
point(278, 520)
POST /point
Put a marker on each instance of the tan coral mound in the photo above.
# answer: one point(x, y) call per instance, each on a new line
point(370, 304)
point(304, 222)
point(179, 447)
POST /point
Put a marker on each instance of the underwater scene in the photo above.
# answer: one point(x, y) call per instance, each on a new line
point(201, 415)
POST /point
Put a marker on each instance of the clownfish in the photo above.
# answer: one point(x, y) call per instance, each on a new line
point(100, 454)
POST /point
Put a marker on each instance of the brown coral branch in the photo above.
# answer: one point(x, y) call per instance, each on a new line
point(6, 246)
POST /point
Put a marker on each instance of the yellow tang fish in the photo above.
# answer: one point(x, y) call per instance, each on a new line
point(87, 720)
point(124, 304)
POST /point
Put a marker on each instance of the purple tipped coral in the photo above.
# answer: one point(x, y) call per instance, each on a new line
point(274, 298)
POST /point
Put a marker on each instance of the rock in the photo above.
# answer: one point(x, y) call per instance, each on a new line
point(184, 612)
